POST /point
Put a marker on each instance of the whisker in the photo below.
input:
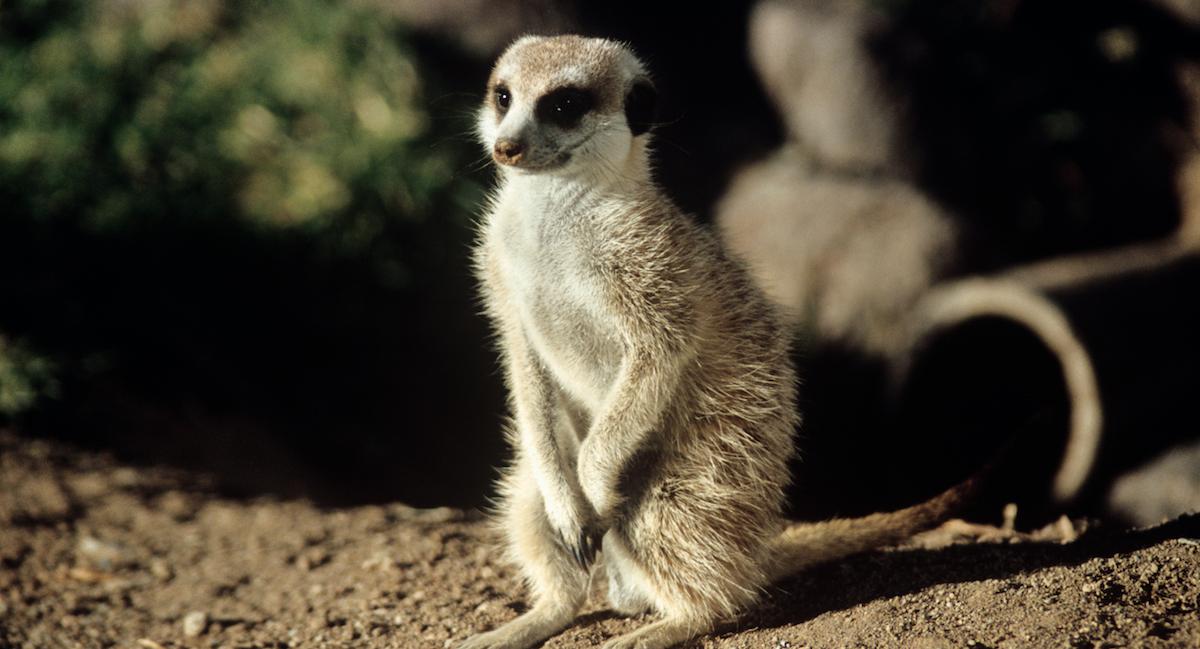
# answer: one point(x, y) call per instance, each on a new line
point(479, 165)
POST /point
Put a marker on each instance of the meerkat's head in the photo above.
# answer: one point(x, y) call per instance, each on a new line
point(566, 104)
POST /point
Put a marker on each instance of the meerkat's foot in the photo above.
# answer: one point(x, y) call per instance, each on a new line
point(659, 635)
point(525, 631)
point(558, 581)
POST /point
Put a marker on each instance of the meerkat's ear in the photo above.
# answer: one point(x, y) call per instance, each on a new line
point(640, 104)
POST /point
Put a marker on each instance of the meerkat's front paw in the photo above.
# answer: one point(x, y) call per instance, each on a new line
point(598, 483)
point(578, 531)
point(586, 545)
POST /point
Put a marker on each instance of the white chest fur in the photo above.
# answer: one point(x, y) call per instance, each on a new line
point(546, 237)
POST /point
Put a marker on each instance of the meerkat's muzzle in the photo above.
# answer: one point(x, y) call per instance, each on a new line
point(508, 152)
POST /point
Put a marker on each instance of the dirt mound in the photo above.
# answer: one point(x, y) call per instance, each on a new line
point(96, 554)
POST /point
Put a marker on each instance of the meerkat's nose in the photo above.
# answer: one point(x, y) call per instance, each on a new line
point(508, 151)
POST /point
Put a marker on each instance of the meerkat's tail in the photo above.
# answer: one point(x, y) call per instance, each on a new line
point(803, 545)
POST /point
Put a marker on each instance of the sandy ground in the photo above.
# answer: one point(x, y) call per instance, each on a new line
point(96, 554)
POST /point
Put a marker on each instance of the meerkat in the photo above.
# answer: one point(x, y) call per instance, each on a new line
point(653, 398)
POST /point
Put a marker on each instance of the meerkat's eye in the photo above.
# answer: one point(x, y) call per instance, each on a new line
point(503, 98)
point(564, 107)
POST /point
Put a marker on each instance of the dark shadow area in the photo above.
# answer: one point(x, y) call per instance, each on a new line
point(1047, 126)
point(266, 365)
point(985, 391)
point(840, 463)
point(1141, 330)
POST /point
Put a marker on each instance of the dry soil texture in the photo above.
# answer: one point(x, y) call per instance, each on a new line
point(96, 554)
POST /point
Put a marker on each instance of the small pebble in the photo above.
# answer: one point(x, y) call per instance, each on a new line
point(161, 570)
point(312, 559)
point(381, 560)
point(178, 506)
point(437, 515)
point(195, 623)
point(100, 554)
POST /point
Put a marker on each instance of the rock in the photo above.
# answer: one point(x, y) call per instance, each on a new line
point(312, 558)
point(178, 505)
point(195, 623)
point(381, 561)
point(102, 555)
point(317, 622)
point(436, 515)
point(39, 498)
point(161, 570)
point(1161, 489)
point(87, 575)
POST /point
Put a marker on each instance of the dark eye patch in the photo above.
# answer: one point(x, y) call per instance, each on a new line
point(564, 107)
point(502, 97)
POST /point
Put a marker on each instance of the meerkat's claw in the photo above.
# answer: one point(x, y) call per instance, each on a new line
point(581, 550)
point(592, 540)
point(584, 547)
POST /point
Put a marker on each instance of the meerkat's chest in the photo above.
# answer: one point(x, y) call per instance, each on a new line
point(560, 303)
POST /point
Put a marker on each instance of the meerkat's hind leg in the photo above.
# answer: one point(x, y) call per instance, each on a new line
point(625, 594)
point(628, 595)
point(662, 634)
point(528, 630)
point(559, 583)
point(624, 598)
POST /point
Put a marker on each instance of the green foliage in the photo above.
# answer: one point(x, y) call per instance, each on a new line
point(24, 376)
point(153, 132)
point(287, 113)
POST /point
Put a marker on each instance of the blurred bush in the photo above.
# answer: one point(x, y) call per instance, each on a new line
point(23, 377)
point(289, 114)
point(140, 139)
